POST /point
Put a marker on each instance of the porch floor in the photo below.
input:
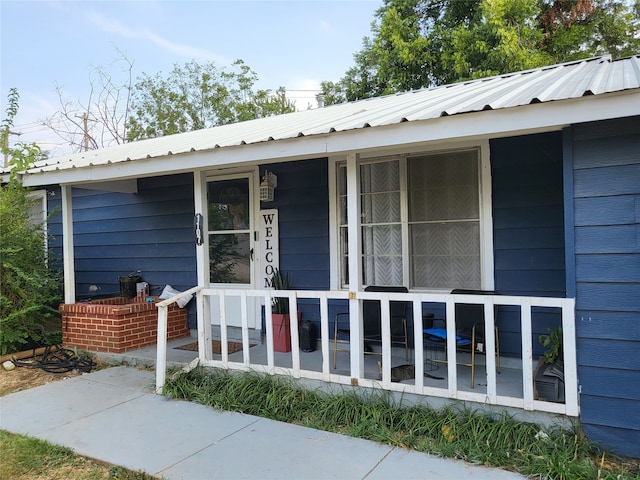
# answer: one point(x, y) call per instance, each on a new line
point(509, 381)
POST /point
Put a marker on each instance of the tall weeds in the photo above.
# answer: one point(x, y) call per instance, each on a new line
point(453, 432)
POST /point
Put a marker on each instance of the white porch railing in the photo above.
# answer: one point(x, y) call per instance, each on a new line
point(525, 401)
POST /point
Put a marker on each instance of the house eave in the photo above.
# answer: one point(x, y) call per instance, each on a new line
point(531, 118)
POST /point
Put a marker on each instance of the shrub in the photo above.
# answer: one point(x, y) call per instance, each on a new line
point(30, 290)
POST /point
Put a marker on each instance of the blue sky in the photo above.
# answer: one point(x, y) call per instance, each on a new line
point(294, 44)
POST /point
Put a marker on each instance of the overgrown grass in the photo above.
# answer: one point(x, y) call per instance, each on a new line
point(28, 458)
point(453, 432)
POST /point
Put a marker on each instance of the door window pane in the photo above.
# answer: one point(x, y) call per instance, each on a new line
point(230, 258)
point(229, 204)
point(229, 231)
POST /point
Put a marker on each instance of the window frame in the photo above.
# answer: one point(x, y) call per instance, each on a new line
point(484, 205)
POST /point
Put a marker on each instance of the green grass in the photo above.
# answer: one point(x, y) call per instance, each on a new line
point(28, 458)
point(452, 432)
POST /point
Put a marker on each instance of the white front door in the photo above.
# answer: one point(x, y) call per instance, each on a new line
point(231, 213)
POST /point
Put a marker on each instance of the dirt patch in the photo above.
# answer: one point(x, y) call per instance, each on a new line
point(24, 377)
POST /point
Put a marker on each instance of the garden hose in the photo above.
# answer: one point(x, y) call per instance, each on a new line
point(61, 361)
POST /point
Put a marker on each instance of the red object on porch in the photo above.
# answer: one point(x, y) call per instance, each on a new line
point(281, 332)
point(117, 325)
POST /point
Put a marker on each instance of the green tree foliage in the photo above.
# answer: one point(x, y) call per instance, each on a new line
point(422, 43)
point(197, 96)
point(505, 40)
point(30, 290)
point(585, 28)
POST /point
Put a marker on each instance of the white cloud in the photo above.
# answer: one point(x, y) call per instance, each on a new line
point(109, 25)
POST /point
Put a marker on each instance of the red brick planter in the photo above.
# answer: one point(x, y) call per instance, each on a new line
point(117, 324)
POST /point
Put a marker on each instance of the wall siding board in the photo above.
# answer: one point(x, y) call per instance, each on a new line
point(613, 412)
point(302, 214)
point(297, 229)
point(510, 217)
point(613, 354)
point(146, 190)
point(531, 197)
point(110, 278)
point(163, 236)
point(138, 210)
point(132, 224)
point(607, 237)
point(528, 228)
point(609, 325)
point(605, 210)
point(621, 297)
point(295, 247)
point(609, 268)
point(620, 383)
point(607, 181)
point(533, 282)
point(625, 441)
point(538, 259)
point(122, 266)
point(534, 238)
point(605, 152)
point(157, 252)
point(531, 176)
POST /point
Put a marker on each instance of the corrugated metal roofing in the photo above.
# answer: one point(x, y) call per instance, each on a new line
point(594, 76)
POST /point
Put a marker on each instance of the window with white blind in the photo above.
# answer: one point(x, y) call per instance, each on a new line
point(420, 221)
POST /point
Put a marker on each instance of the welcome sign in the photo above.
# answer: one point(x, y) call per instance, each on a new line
point(269, 245)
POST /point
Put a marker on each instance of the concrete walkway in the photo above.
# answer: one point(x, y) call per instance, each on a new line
point(114, 416)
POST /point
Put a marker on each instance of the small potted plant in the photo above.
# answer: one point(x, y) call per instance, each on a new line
point(280, 313)
point(549, 374)
point(553, 344)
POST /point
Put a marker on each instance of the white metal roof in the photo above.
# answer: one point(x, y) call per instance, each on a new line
point(573, 80)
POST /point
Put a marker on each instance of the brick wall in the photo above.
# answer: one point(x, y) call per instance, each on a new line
point(118, 324)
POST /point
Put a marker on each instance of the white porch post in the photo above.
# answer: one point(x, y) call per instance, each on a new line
point(203, 312)
point(570, 357)
point(67, 245)
point(355, 268)
point(161, 349)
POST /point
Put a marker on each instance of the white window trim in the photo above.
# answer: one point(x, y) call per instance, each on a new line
point(487, 265)
point(485, 206)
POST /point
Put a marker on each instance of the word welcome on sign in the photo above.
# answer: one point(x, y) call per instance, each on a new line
point(269, 245)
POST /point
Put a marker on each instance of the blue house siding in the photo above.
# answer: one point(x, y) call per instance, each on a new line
point(528, 229)
point(302, 200)
point(607, 241)
point(54, 225)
